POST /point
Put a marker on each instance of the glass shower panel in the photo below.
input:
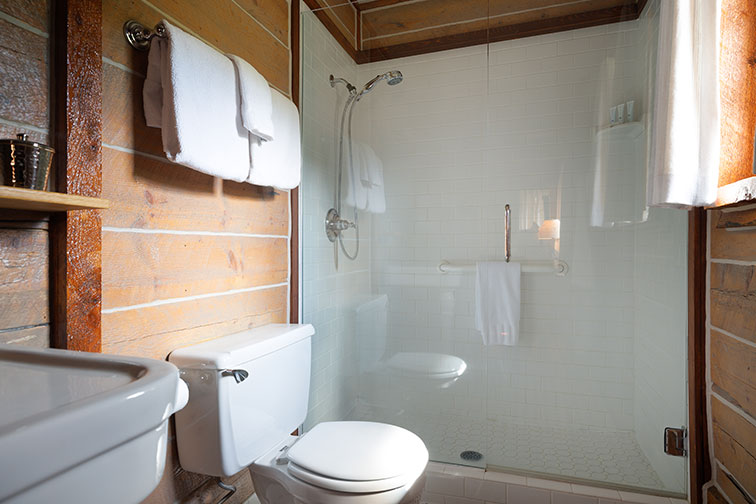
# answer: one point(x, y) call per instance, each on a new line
point(598, 366)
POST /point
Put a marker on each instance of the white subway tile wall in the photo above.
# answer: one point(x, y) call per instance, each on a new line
point(329, 294)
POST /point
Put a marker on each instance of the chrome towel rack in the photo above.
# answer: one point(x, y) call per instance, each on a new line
point(139, 36)
point(557, 267)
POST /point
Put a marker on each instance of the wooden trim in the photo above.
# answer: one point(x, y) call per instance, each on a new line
point(76, 242)
point(700, 466)
point(294, 194)
point(330, 25)
point(500, 33)
point(375, 4)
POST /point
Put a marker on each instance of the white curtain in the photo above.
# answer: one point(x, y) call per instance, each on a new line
point(684, 157)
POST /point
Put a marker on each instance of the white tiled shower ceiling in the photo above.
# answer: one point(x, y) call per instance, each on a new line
point(601, 354)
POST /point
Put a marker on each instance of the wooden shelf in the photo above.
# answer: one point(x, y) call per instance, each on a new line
point(44, 201)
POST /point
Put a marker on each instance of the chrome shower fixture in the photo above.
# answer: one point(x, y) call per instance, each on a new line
point(392, 78)
point(336, 80)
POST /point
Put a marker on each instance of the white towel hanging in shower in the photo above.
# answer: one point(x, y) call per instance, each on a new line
point(497, 302)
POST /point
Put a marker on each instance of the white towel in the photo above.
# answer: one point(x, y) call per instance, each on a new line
point(376, 196)
point(190, 92)
point(356, 173)
point(497, 302)
point(684, 156)
point(278, 163)
point(256, 100)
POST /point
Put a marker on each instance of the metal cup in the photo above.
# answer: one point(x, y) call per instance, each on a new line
point(24, 163)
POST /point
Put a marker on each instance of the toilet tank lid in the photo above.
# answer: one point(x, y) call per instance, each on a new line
point(235, 349)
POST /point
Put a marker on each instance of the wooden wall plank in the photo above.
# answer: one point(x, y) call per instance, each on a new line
point(738, 461)
point(738, 245)
point(272, 14)
point(217, 23)
point(24, 80)
point(730, 489)
point(24, 274)
point(35, 336)
point(438, 18)
point(334, 27)
point(714, 497)
point(156, 331)
point(737, 78)
point(123, 113)
point(733, 299)
point(732, 369)
point(221, 24)
point(148, 267)
point(76, 236)
point(149, 194)
point(735, 425)
point(35, 13)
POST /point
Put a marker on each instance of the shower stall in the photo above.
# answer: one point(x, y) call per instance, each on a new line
point(556, 127)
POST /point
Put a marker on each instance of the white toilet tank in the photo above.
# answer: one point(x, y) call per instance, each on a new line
point(227, 423)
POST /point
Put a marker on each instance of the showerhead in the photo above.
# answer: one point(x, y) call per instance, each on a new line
point(393, 78)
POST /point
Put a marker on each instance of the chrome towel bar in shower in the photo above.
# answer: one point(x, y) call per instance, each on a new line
point(558, 267)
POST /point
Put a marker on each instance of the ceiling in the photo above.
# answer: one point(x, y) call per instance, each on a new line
point(374, 30)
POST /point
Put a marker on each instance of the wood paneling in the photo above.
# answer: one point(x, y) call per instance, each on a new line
point(146, 193)
point(733, 299)
point(733, 370)
point(176, 244)
point(223, 24)
point(24, 81)
point(156, 331)
point(24, 276)
point(730, 488)
point(714, 497)
point(732, 454)
point(328, 18)
point(735, 425)
point(148, 267)
point(123, 113)
point(76, 241)
point(33, 12)
point(272, 14)
point(36, 336)
point(738, 90)
point(393, 28)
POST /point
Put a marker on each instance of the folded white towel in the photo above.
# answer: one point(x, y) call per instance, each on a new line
point(278, 163)
point(497, 302)
point(376, 197)
point(256, 100)
point(356, 174)
point(201, 126)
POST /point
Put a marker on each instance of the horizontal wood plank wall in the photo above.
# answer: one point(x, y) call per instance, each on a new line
point(187, 257)
point(24, 237)
point(432, 25)
point(335, 16)
point(738, 90)
point(732, 350)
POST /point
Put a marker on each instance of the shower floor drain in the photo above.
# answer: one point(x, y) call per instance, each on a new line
point(471, 455)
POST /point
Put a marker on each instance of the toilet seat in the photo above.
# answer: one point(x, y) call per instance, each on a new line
point(357, 457)
point(432, 365)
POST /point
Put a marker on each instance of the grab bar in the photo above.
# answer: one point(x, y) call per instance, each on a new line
point(557, 267)
point(507, 233)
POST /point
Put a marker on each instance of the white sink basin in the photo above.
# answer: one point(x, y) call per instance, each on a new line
point(79, 427)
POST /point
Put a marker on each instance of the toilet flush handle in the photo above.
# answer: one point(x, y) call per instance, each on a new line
point(239, 374)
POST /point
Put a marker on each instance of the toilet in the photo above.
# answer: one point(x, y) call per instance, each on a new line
point(248, 391)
